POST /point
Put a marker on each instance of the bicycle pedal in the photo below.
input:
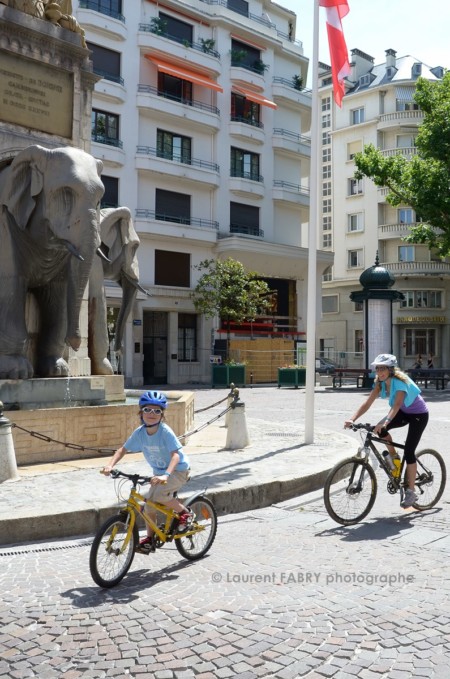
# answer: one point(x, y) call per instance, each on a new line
point(145, 548)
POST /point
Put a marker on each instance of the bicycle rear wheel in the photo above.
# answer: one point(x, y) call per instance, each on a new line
point(350, 491)
point(431, 478)
point(110, 558)
point(204, 524)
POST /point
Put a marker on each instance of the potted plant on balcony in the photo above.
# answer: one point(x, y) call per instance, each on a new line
point(297, 81)
point(292, 376)
point(259, 66)
point(237, 56)
point(158, 25)
point(207, 45)
point(226, 290)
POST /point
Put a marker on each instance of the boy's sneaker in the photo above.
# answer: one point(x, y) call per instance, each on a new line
point(146, 545)
point(185, 521)
point(409, 499)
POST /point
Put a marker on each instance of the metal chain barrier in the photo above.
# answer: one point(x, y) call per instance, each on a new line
point(234, 393)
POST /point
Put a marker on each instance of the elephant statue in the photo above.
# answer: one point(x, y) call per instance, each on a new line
point(119, 244)
point(49, 235)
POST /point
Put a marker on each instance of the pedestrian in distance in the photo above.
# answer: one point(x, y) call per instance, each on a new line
point(430, 361)
point(418, 364)
point(406, 407)
point(164, 453)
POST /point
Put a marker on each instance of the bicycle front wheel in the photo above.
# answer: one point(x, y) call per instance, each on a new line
point(204, 524)
point(350, 491)
point(430, 479)
point(112, 551)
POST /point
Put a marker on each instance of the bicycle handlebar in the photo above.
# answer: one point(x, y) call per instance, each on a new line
point(368, 427)
point(134, 478)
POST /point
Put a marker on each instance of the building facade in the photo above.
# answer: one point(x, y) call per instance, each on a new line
point(201, 121)
point(356, 222)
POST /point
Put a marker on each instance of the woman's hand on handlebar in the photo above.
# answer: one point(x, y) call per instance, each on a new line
point(106, 471)
point(348, 424)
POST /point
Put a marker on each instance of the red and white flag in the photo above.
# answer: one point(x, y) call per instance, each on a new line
point(340, 67)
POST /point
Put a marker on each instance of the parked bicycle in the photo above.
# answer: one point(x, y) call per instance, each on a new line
point(351, 486)
point(115, 543)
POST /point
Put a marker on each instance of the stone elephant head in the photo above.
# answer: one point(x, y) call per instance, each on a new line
point(50, 203)
point(119, 245)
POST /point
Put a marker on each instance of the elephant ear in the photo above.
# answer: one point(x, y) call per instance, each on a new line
point(25, 181)
point(118, 234)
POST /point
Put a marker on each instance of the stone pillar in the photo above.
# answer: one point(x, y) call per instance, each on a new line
point(8, 465)
point(237, 434)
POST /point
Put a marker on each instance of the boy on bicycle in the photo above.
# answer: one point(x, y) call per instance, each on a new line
point(407, 407)
point(164, 453)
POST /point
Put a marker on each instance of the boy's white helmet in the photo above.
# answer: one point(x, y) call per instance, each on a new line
point(389, 360)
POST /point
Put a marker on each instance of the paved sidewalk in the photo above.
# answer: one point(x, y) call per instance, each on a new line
point(68, 499)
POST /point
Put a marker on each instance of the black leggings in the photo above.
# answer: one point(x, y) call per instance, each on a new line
point(417, 424)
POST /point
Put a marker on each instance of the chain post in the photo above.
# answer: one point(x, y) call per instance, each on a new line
point(8, 464)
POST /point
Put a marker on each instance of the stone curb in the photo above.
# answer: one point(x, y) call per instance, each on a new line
point(87, 521)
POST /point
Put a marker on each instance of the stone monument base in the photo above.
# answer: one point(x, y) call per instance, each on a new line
point(61, 392)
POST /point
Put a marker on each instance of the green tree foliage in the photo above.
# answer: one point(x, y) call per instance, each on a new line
point(227, 290)
point(422, 182)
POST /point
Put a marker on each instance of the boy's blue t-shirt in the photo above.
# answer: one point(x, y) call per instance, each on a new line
point(157, 448)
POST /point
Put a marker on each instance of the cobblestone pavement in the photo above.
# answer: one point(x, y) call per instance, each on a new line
point(283, 593)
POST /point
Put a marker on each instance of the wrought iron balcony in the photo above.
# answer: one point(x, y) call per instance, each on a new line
point(99, 6)
point(151, 89)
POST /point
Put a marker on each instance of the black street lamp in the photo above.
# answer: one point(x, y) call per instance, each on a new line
point(377, 298)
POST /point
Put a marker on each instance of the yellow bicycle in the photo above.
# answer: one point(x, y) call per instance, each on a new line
point(115, 543)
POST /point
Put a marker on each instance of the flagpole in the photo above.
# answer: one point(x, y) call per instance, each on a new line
point(312, 239)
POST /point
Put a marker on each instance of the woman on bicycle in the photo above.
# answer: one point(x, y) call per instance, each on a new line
point(407, 407)
point(164, 453)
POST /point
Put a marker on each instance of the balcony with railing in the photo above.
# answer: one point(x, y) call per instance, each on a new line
point(433, 268)
point(111, 86)
point(400, 118)
point(407, 151)
point(286, 89)
point(246, 183)
point(165, 104)
point(292, 193)
point(204, 47)
point(176, 226)
point(389, 231)
point(247, 128)
point(97, 14)
point(203, 171)
point(111, 149)
point(243, 230)
point(291, 142)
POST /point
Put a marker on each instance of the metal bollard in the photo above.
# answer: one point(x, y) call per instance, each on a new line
point(237, 434)
point(8, 465)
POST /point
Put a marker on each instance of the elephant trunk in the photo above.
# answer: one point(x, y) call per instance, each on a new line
point(129, 292)
point(77, 280)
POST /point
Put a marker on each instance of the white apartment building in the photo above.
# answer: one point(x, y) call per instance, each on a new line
point(356, 222)
point(202, 124)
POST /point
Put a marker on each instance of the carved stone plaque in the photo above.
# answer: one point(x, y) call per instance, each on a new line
point(34, 95)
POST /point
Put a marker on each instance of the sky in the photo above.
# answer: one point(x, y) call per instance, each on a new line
point(416, 27)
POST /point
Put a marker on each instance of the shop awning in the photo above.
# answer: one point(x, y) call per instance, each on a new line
point(253, 96)
point(184, 73)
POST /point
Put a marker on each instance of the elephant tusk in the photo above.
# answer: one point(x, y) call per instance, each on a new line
point(136, 284)
point(72, 249)
point(102, 255)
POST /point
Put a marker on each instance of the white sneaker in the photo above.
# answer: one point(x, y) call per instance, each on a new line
point(409, 499)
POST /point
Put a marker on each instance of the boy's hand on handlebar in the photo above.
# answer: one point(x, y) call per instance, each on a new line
point(158, 479)
point(348, 424)
point(106, 471)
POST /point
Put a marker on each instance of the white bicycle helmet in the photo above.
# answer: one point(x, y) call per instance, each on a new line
point(389, 360)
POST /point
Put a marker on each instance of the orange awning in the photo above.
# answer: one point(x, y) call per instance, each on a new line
point(257, 98)
point(184, 73)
